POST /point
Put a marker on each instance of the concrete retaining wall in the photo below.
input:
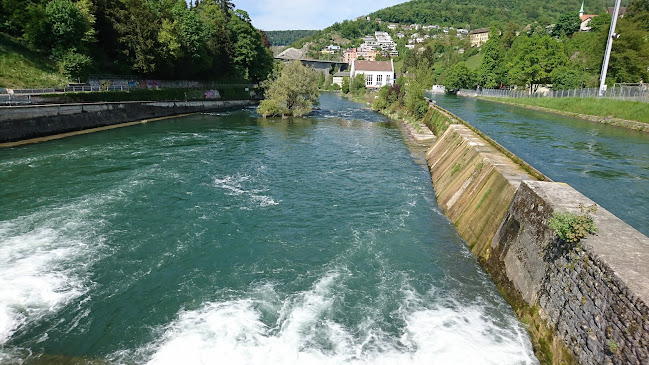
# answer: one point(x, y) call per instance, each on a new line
point(585, 305)
point(33, 121)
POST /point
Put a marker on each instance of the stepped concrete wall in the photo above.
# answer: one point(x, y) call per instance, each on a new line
point(585, 304)
point(26, 122)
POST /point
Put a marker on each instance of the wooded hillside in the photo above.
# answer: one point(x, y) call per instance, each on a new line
point(166, 39)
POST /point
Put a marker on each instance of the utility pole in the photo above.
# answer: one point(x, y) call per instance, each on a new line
point(609, 45)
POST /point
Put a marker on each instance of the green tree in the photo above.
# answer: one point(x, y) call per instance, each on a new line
point(567, 24)
point(459, 77)
point(531, 60)
point(638, 12)
point(630, 53)
point(345, 85)
point(291, 91)
point(63, 26)
point(357, 84)
point(564, 78)
point(138, 31)
point(421, 80)
point(491, 73)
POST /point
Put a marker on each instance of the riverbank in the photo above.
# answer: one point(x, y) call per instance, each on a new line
point(38, 123)
point(619, 113)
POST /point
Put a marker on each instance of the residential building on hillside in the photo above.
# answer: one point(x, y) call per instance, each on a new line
point(377, 73)
point(352, 54)
point(330, 49)
point(621, 14)
point(479, 37)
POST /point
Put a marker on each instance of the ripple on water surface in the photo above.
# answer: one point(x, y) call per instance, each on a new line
point(227, 238)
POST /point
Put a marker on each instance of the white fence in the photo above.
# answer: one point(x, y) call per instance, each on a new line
point(634, 92)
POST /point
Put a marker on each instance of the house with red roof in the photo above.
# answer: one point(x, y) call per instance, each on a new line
point(377, 73)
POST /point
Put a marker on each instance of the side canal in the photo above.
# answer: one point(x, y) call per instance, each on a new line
point(608, 164)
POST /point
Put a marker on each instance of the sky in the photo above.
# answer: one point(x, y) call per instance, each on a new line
point(307, 14)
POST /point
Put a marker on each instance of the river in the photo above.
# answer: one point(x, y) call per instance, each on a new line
point(610, 165)
point(226, 238)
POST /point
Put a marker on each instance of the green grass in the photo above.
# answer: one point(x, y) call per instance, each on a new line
point(21, 67)
point(622, 109)
point(475, 61)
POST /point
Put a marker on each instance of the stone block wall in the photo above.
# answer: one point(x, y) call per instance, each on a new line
point(594, 296)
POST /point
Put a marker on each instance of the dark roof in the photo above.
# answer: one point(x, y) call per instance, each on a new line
point(373, 65)
point(480, 30)
point(612, 10)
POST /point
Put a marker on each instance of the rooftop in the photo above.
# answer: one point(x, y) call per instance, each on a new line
point(373, 65)
point(480, 30)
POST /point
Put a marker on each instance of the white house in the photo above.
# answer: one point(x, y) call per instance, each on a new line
point(377, 73)
point(339, 77)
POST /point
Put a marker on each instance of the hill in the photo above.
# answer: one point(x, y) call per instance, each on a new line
point(286, 37)
point(21, 67)
point(483, 13)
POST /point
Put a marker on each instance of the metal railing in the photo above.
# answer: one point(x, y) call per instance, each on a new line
point(6, 99)
point(632, 92)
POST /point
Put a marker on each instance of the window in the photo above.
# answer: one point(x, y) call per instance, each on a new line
point(387, 79)
point(379, 79)
point(368, 80)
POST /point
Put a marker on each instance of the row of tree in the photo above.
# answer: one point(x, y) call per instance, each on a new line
point(481, 13)
point(566, 59)
point(287, 37)
point(165, 38)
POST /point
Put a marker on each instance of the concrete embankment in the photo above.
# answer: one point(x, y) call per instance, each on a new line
point(20, 123)
point(584, 304)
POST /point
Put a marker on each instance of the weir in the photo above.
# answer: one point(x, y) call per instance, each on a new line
point(586, 305)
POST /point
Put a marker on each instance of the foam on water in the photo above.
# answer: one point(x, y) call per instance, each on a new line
point(233, 331)
point(236, 185)
point(36, 274)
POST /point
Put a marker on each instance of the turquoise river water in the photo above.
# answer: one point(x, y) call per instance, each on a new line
point(226, 238)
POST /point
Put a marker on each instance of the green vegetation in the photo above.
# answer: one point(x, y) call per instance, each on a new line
point(622, 109)
point(613, 346)
point(474, 61)
point(481, 13)
point(572, 228)
point(459, 77)
point(287, 37)
point(155, 39)
point(484, 197)
point(456, 168)
point(292, 89)
point(21, 67)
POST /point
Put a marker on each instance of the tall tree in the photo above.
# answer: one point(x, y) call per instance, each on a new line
point(291, 91)
point(491, 73)
point(567, 24)
point(138, 31)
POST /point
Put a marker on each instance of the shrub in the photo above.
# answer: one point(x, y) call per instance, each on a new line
point(421, 108)
point(572, 228)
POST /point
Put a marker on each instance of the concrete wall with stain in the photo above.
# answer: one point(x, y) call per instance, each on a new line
point(583, 305)
point(25, 122)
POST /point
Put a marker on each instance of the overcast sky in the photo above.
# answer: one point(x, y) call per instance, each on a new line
point(307, 14)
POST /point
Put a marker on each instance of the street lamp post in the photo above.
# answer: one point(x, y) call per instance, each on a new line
point(609, 45)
